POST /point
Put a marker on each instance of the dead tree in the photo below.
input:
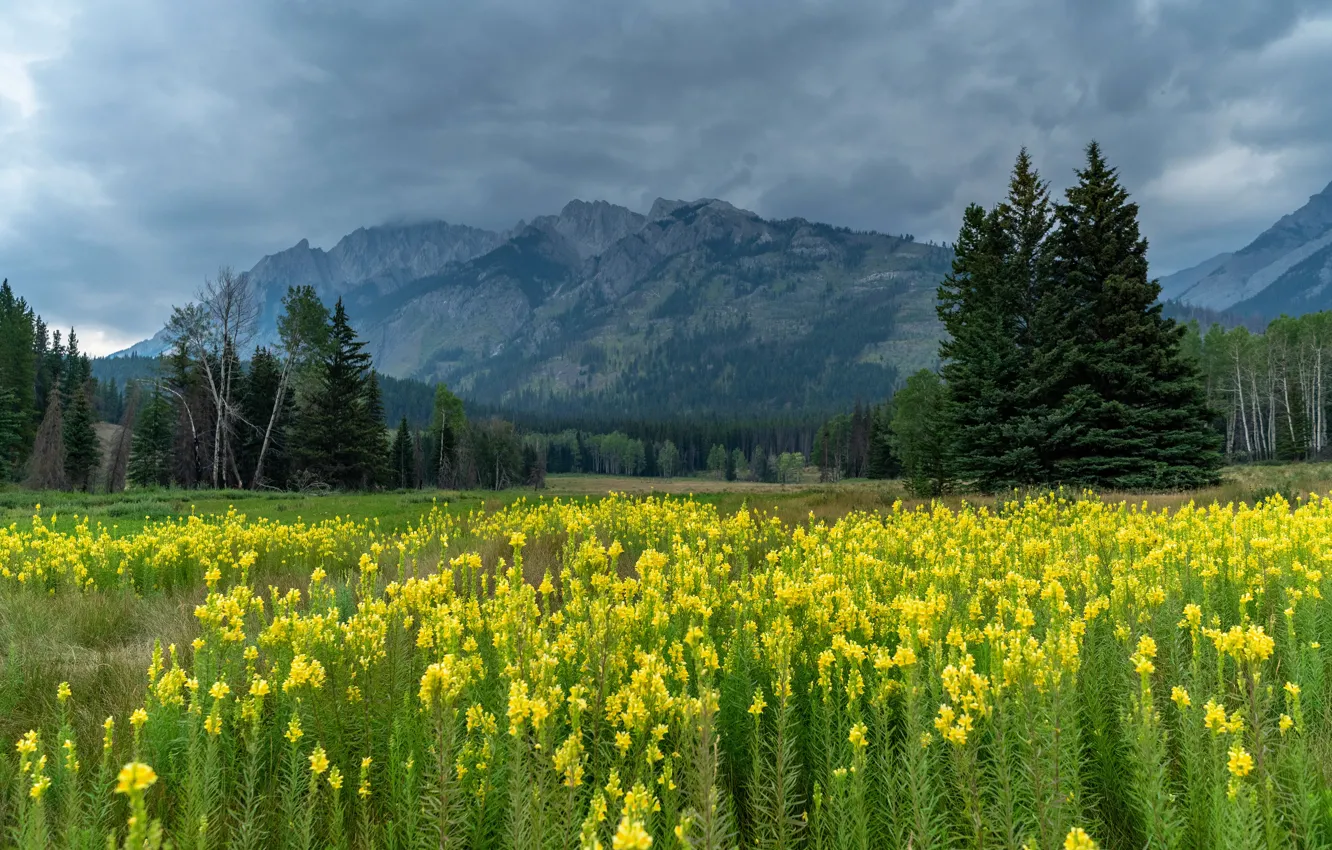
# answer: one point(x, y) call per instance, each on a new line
point(46, 464)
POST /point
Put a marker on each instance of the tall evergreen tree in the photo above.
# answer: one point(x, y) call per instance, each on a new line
point(18, 381)
point(12, 422)
point(376, 442)
point(83, 449)
point(332, 440)
point(152, 451)
point(402, 458)
point(988, 304)
point(258, 401)
point(1128, 406)
point(882, 463)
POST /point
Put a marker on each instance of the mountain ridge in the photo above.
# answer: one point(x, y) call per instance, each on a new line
point(696, 305)
point(1285, 269)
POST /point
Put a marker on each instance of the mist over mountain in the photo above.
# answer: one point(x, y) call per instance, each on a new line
point(697, 306)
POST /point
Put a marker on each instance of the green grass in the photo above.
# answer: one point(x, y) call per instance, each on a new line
point(129, 512)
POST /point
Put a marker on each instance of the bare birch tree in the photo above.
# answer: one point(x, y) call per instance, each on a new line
point(213, 330)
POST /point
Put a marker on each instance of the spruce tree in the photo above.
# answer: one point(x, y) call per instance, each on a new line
point(18, 379)
point(12, 422)
point(401, 457)
point(83, 449)
point(258, 396)
point(882, 463)
point(979, 352)
point(988, 305)
point(152, 450)
point(333, 433)
point(376, 463)
point(1129, 406)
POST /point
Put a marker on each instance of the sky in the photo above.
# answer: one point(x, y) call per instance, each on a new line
point(145, 143)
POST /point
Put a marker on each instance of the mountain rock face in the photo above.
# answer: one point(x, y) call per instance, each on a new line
point(1287, 269)
point(697, 306)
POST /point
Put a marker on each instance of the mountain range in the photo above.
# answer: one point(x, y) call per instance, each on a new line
point(1287, 269)
point(694, 307)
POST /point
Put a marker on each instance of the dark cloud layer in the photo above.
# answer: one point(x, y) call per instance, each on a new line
point(145, 142)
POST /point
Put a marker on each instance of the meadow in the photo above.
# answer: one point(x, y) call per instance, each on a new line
point(817, 666)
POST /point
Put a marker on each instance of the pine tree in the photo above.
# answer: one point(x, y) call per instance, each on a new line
point(83, 450)
point(1128, 405)
point(18, 377)
point(882, 462)
point(988, 304)
point(152, 450)
point(258, 396)
point(376, 463)
point(334, 429)
point(402, 456)
point(12, 422)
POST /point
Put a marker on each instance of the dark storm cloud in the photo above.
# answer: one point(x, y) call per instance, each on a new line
point(146, 142)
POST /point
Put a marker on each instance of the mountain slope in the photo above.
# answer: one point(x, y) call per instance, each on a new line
point(1278, 272)
point(696, 306)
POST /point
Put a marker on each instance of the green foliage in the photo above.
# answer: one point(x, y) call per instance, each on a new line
point(18, 376)
point(717, 457)
point(402, 458)
point(922, 435)
point(1130, 406)
point(1059, 364)
point(339, 436)
point(151, 458)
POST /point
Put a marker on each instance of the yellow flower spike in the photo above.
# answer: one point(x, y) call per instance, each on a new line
point(135, 776)
point(63, 692)
point(1239, 762)
point(857, 736)
point(756, 707)
point(138, 717)
point(1078, 839)
point(318, 761)
point(1180, 697)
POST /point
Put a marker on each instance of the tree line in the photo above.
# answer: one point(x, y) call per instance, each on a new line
point(1268, 391)
point(48, 413)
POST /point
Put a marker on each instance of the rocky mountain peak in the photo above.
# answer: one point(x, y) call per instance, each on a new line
point(661, 208)
point(591, 227)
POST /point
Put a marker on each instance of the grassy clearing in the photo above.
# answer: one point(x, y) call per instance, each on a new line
point(130, 512)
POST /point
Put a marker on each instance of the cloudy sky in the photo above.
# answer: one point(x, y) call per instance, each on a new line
point(145, 142)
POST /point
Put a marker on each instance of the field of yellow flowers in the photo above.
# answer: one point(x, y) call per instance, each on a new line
point(635, 673)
